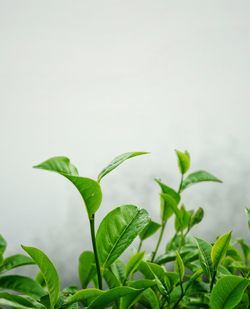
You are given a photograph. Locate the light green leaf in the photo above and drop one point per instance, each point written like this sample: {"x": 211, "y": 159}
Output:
{"x": 112, "y": 295}
{"x": 151, "y": 228}
{"x": 16, "y": 301}
{"x": 129, "y": 300}
{"x": 133, "y": 263}
{"x": 197, "y": 177}
{"x": 118, "y": 269}
{"x": 86, "y": 268}
{"x": 168, "y": 207}
{"x": 118, "y": 230}
{"x": 183, "y": 161}
{"x": 49, "y": 273}
{"x": 179, "y": 266}
{"x": 89, "y": 189}
{"x": 3, "y": 245}
{"x": 21, "y": 284}
{"x": 111, "y": 279}
{"x": 149, "y": 299}
{"x": 170, "y": 191}
{"x": 14, "y": 261}
{"x": 118, "y": 161}
{"x": 219, "y": 248}
{"x": 247, "y": 210}
{"x": 196, "y": 217}
{"x": 193, "y": 278}
{"x": 228, "y": 292}
{"x": 161, "y": 277}
{"x": 185, "y": 219}
{"x": 205, "y": 256}
{"x": 85, "y": 296}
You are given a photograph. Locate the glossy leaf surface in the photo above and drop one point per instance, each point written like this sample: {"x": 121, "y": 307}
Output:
{"x": 118, "y": 230}
{"x": 205, "y": 256}
{"x": 48, "y": 271}
{"x": 86, "y": 268}
{"x": 14, "y": 261}
{"x": 118, "y": 161}
{"x": 219, "y": 248}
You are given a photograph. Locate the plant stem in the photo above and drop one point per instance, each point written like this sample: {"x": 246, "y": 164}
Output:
{"x": 180, "y": 298}
{"x": 159, "y": 241}
{"x": 140, "y": 245}
{"x": 212, "y": 281}
{"x": 179, "y": 190}
{"x": 98, "y": 270}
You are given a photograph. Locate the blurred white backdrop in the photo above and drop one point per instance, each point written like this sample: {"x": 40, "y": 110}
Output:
{"x": 93, "y": 79}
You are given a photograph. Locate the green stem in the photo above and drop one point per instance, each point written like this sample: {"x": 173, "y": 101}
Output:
{"x": 140, "y": 245}
{"x": 212, "y": 281}
{"x": 181, "y": 182}
{"x": 159, "y": 241}
{"x": 98, "y": 270}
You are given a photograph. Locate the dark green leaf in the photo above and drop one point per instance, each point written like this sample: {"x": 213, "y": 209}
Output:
{"x": 112, "y": 295}
{"x": 15, "y": 261}
{"x": 133, "y": 263}
{"x": 149, "y": 230}
{"x": 49, "y": 272}
{"x": 196, "y": 217}
{"x": 149, "y": 299}
{"x": 205, "y": 256}
{"x": 228, "y": 292}
{"x": 117, "y": 161}
{"x": 89, "y": 189}
{"x": 197, "y": 177}
{"x": 16, "y": 301}
{"x": 21, "y": 284}
{"x": 118, "y": 230}
{"x": 86, "y": 268}
{"x": 179, "y": 266}
{"x": 183, "y": 161}
{"x": 219, "y": 248}
{"x": 85, "y": 296}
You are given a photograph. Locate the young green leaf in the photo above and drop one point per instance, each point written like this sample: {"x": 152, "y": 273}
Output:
{"x": 168, "y": 207}
{"x": 118, "y": 161}
{"x": 89, "y": 189}
{"x": 3, "y": 245}
{"x": 86, "y": 268}
{"x": 228, "y": 292}
{"x": 183, "y": 161}
{"x": 179, "y": 266}
{"x": 196, "y": 217}
{"x": 205, "y": 256}
{"x": 247, "y": 210}
{"x": 133, "y": 263}
{"x": 118, "y": 230}
{"x": 170, "y": 191}
{"x": 49, "y": 273}
{"x": 197, "y": 177}
{"x": 149, "y": 299}
{"x": 14, "y": 261}
{"x": 112, "y": 295}
{"x": 111, "y": 279}
{"x": 85, "y": 296}
{"x": 219, "y": 248}
{"x": 185, "y": 215}
{"x": 23, "y": 285}
{"x": 151, "y": 228}
{"x": 118, "y": 269}
{"x": 16, "y": 301}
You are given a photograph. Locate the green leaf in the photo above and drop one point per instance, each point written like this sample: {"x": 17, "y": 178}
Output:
{"x": 129, "y": 300}
{"x": 3, "y": 245}
{"x": 85, "y": 296}
{"x": 219, "y": 248}
{"x": 185, "y": 219}
{"x": 247, "y": 210}
{"x": 16, "y": 301}
{"x": 149, "y": 299}
{"x": 196, "y": 217}
{"x": 193, "y": 278}
{"x": 179, "y": 266}
{"x": 112, "y": 295}
{"x": 111, "y": 279}
{"x": 228, "y": 292}
{"x": 118, "y": 230}
{"x": 161, "y": 278}
{"x": 118, "y": 161}
{"x": 205, "y": 256}
{"x": 197, "y": 177}
{"x": 49, "y": 273}
{"x": 15, "y": 261}
{"x": 183, "y": 161}
{"x": 133, "y": 263}
{"x": 151, "y": 228}
{"x": 118, "y": 269}
{"x": 21, "y": 284}
{"x": 89, "y": 189}
{"x": 168, "y": 207}
{"x": 170, "y": 191}
{"x": 86, "y": 268}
